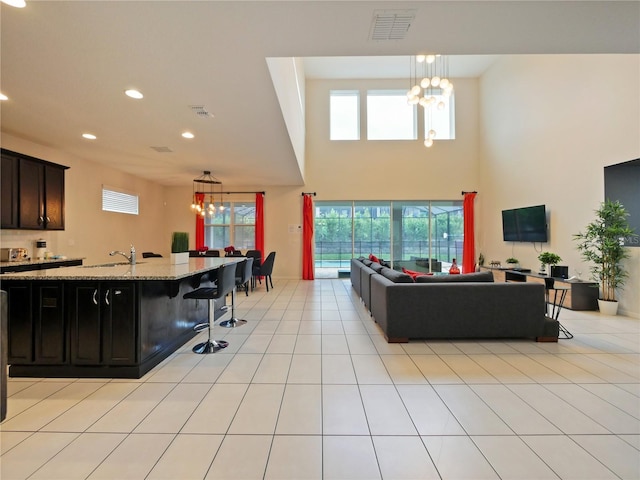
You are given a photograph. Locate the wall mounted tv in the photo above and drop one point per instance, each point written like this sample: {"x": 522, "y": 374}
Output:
{"x": 527, "y": 224}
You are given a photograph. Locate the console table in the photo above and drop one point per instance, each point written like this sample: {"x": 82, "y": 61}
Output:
{"x": 580, "y": 295}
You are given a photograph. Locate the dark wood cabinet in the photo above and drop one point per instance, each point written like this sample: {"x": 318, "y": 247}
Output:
{"x": 37, "y": 332}
{"x": 35, "y": 199}
{"x": 102, "y": 319}
{"x": 9, "y": 179}
{"x": 50, "y": 339}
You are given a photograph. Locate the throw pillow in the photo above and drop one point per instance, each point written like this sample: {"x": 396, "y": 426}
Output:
{"x": 373, "y": 258}
{"x": 412, "y": 273}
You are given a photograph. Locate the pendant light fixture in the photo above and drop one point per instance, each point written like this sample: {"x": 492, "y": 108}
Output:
{"x": 429, "y": 79}
{"x": 204, "y": 193}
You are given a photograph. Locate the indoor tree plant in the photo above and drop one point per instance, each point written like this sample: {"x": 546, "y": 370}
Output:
{"x": 601, "y": 243}
{"x": 548, "y": 258}
{"x": 179, "y": 247}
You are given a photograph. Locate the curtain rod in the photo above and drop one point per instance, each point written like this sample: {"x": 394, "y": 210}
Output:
{"x": 230, "y": 193}
{"x": 308, "y": 193}
{"x": 463, "y": 192}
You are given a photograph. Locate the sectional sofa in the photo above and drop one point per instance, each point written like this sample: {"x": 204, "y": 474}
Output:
{"x": 468, "y": 306}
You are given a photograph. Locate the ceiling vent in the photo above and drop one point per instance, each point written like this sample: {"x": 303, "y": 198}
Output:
{"x": 391, "y": 24}
{"x": 162, "y": 149}
{"x": 201, "y": 111}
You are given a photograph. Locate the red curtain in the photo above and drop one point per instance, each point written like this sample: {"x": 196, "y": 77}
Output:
{"x": 199, "y": 224}
{"x": 468, "y": 248}
{"x": 307, "y": 238}
{"x": 260, "y": 223}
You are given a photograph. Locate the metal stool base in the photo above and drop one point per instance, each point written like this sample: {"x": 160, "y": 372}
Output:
{"x": 210, "y": 346}
{"x": 232, "y": 323}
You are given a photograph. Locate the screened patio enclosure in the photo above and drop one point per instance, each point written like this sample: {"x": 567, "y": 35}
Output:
{"x": 419, "y": 235}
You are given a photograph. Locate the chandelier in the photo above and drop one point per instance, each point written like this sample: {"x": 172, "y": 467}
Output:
{"x": 429, "y": 87}
{"x": 204, "y": 192}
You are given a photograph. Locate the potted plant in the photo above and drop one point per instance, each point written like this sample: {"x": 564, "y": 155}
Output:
{"x": 548, "y": 258}
{"x": 179, "y": 247}
{"x": 601, "y": 244}
{"x": 513, "y": 262}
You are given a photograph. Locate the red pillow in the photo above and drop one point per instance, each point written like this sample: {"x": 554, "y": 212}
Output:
{"x": 373, "y": 258}
{"x": 415, "y": 274}
{"x": 412, "y": 273}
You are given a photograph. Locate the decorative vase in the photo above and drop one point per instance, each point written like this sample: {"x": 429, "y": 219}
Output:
{"x": 607, "y": 307}
{"x": 178, "y": 258}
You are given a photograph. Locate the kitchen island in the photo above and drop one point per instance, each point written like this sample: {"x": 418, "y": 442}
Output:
{"x": 104, "y": 321}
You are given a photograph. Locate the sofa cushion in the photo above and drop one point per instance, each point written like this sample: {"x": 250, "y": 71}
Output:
{"x": 376, "y": 267}
{"x": 396, "y": 276}
{"x": 367, "y": 262}
{"x": 467, "y": 277}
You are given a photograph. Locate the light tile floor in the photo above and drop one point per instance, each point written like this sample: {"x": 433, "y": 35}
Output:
{"x": 308, "y": 388}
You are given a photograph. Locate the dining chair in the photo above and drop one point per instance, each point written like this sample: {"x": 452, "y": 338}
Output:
{"x": 257, "y": 261}
{"x": 266, "y": 269}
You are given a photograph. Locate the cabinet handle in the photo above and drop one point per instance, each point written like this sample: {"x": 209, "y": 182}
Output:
{"x": 106, "y": 297}
{"x": 117, "y": 292}
{"x": 95, "y": 292}
{"x": 40, "y": 220}
{"x": 48, "y": 220}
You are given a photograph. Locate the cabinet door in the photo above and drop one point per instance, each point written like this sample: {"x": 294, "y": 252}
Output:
{"x": 20, "y": 324}
{"x": 9, "y": 191}
{"x": 54, "y": 197}
{"x": 31, "y": 204}
{"x": 85, "y": 324}
{"x": 49, "y": 323}
{"x": 119, "y": 324}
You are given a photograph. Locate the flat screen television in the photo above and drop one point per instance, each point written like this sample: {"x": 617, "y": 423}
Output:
{"x": 527, "y": 224}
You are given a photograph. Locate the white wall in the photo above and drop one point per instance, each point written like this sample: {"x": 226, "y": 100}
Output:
{"x": 549, "y": 124}
{"x": 390, "y": 170}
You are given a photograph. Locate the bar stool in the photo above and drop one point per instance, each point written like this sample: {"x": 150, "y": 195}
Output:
{"x": 245, "y": 269}
{"x": 226, "y": 283}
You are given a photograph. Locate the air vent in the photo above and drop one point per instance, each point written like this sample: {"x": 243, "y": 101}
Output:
{"x": 162, "y": 149}
{"x": 391, "y": 24}
{"x": 201, "y": 111}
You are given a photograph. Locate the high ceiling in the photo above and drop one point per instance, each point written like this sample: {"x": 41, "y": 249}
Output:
{"x": 65, "y": 65}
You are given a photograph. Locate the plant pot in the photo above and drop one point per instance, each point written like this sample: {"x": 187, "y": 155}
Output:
{"x": 608, "y": 308}
{"x": 179, "y": 258}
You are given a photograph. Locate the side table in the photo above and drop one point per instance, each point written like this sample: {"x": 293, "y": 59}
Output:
{"x": 554, "y": 303}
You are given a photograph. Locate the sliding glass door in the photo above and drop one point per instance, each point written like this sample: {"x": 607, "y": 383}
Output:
{"x": 418, "y": 235}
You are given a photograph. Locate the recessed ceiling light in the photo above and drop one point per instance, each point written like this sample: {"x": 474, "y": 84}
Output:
{"x": 3, "y": 97}
{"x": 15, "y": 3}
{"x": 89, "y": 136}
{"x": 133, "y": 94}
{"x": 188, "y": 135}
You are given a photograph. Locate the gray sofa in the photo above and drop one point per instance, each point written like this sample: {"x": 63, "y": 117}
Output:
{"x": 451, "y": 306}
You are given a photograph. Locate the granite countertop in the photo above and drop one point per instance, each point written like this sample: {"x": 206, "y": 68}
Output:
{"x": 147, "y": 269}
{"x": 33, "y": 261}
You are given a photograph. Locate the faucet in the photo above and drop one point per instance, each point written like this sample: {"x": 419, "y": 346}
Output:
{"x": 130, "y": 258}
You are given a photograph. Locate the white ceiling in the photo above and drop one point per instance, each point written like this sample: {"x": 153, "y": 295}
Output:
{"x": 65, "y": 65}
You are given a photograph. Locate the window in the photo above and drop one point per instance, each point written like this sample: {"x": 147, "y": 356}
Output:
{"x": 389, "y": 117}
{"x": 116, "y": 200}
{"x": 234, "y": 224}
{"x": 344, "y": 115}
{"x": 440, "y": 118}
